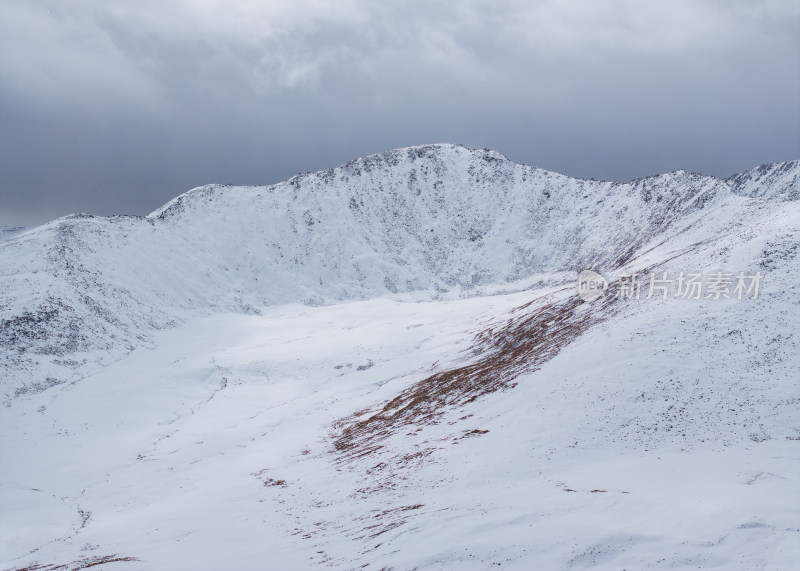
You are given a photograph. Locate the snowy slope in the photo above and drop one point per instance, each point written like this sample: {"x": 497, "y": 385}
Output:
{"x": 434, "y": 220}
{"x": 386, "y": 366}
{"x": 7, "y": 232}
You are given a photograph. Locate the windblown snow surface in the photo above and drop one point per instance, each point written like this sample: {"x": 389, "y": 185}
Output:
{"x": 387, "y": 366}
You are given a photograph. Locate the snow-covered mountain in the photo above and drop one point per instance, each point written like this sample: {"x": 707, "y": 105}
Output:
{"x": 430, "y": 220}
{"x": 7, "y": 232}
{"x": 387, "y": 365}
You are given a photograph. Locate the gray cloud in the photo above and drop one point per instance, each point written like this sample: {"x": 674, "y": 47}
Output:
{"x": 117, "y": 107}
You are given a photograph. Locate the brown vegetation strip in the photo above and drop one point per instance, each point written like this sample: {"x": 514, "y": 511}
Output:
{"x": 83, "y": 563}
{"x": 534, "y": 334}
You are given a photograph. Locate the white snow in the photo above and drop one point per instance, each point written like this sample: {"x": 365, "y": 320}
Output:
{"x": 205, "y": 362}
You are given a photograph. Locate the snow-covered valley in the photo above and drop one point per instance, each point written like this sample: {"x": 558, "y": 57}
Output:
{"x": 387, "y": 366}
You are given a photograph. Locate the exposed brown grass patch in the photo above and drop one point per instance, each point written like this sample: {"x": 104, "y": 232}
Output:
{"x": 533, "y": 334}
{"x": 82, "y": 563}
{"x": 267, "y": 481}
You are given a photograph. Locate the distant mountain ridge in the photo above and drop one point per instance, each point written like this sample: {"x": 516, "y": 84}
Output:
{"x": 776, "y": 179}
{"x": 7, "y": 232}
{"x": 421, "y": 221}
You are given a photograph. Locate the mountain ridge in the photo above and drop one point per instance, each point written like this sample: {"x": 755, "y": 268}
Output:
{"x": 244, "y": 377}
{"x": 421, "y": 222}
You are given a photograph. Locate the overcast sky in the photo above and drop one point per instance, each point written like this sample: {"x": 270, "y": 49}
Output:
{"x": 118, "y": 106}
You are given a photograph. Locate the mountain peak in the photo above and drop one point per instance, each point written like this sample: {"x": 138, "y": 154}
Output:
{"x": 423, "y": 221}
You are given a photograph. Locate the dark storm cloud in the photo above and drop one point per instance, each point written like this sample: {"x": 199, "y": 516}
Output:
{"x": 117, "y": 107}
